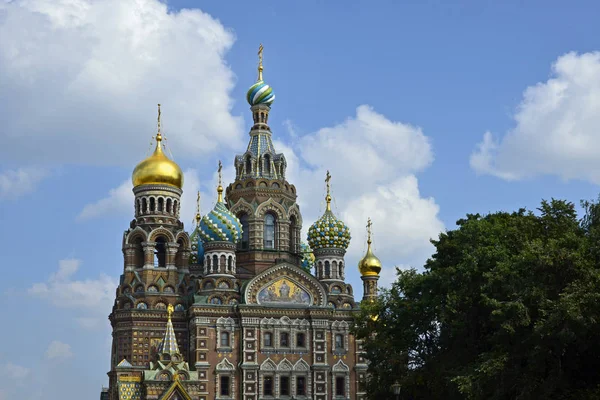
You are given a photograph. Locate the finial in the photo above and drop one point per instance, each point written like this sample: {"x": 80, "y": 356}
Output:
{"x": 328, "y": 197}
{"x": 369, "y": 225}
{"x": 198, "y": 209}
{"x": 158, "y": 134}
{"x": 220, "y": 188}
{"x": 260, "y": 62}
{"x": 170, "y": 310}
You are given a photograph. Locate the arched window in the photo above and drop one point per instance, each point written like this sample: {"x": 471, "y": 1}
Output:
{"x": 160, "y": 252}
{"x": 223, "y": 264}
{"x": 152, "y": 204}
{"x": 175, "y": 209}
{"x": 215, "y": 263}
{"x": 269, "y": 231}
{"x": 169, "y": 206}
{"x": 267, "y": 168}
{"x": 138, "y": 255}
{"x": 230, "y": 264}
{"x": 248, "y": 165}
{"x": 144, "y": 205}
{"x": 293, "y": 235}
{"x": 161, "y": 204}
{"x": 137, "y": 207}
{"x": 327, "y": 269}
{"x": 244, "y": 243}
{"x": 179, "y": 254}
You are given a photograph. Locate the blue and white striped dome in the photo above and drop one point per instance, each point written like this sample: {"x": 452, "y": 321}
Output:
{"x": 260, "y": 93}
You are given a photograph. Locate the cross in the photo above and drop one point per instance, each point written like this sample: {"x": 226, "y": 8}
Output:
{"x": 219, "y": 170}
{"x": 198, "y": 208}
{"x": 327, "y": 179}
{"x": 159, "y": 119}
{"x": 170, "y": 310}
{"x": 369, "y": 225}
{"x": 260, "y": 62}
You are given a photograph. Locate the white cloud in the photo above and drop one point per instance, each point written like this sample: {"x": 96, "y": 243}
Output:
{"x": 61, "y": 290}
{"x": 15, "y": 371}
{"x": 81, "y": 80}
{"x": 556, "y": 127}
{"x": 373, "y": 162}
{"x": 58, "y": 349}
{"x": 18, "y": 182}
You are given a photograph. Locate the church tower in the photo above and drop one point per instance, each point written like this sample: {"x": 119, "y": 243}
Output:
{"x": 329, "y": 238}
{"x": 369, "y": 267}
{"x": 156, "y": 251}
{"x": 261, "y": 197}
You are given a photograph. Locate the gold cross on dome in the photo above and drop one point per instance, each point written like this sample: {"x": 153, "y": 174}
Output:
{"x": 369, "y": 225}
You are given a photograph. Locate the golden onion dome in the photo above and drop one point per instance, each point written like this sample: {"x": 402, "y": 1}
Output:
{"x": 157, "y": 169}
{"x": 370, "y": 264}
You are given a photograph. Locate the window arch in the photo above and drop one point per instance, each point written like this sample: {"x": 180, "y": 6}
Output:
{"x": 215, "y": 263}
{"x": 327, "y": 269}
{"x": 170, "y": 206}
{"x": 152, "y": 204}
{"x": 138, "y": 254}
{"x": 160, "y": 252}
{"x": 230, "y": 264}
{"x": 175, "y": 209}
{"x": 269, "y": 231}
{"x": 144, "y": 205}
{"x": 161, "y": 204}
{"x": 267, "y": 167}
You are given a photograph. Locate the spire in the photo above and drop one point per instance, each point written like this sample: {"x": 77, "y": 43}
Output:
{"x": 158, "y": 137}
{"x": 220, "y": 188}
{"x": 169, "y": 342}
{"x": 198, "y": 209}
{"x": 328, "y": 197}
{"x": 369, "y": 225}
{"x": 260, "y": 62}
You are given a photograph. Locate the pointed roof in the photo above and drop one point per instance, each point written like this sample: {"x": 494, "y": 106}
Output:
{"x": 176, "y": 391}
{"x": 169, "y": 342}
{"x": 124, "y": 364}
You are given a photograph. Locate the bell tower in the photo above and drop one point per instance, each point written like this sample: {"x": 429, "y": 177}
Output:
{"x": 261, "y": 197}
{"x": 156, "y": 252}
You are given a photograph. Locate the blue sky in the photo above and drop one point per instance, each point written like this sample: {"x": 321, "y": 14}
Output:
{"x": 395, "y": 98}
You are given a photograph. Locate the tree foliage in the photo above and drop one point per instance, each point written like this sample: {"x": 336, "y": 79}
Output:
{"x": 508, "y": 307}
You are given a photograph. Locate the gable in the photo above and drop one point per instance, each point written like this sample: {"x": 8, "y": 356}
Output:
{"x": 176, "y": 392}
{"x": 285, "y": 285}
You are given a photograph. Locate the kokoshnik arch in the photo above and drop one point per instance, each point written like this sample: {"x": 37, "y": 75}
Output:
{"x": 233, "y": 309}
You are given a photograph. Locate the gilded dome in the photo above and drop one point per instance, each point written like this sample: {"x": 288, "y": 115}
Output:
{"x": 370, "y": 264}
{"x": 157, "y": 169}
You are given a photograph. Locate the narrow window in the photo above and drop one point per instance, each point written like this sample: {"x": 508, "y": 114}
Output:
{"x": 284, "y": 385}
{"x": 339, "y": 342}
{"x": 268, "y": 339}
{"x": 340, "y": 386}
{"x": 160, "y": 253}
{"x": 175, "y": 210}
{"x": 245, "y": 232}
{"x": 300, "y": 386}
{"x": 248, "y": 165}
{"x": 269, "y": 238}
{"x": 161, "y": 204}
{"x": 284, "y": 340}
{"x": 268, "y": 386}
{"x": 169, "y": 206}
{"x": 224, "y": 339}
{"x": 327, "y": 269}
{"x": 300, "y": 340}
{"x": 224, "y": 385}
{"x": 230, "y": 264}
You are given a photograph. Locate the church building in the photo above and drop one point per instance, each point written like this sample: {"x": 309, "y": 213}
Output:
{"x": 238, "y": 307}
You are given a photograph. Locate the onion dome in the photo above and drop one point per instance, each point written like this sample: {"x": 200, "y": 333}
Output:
{"x": 220, "y": 225}
{"x": 158, "y": 169}
{"x": 370, "y": 264}
{"x": 260, "y": 92}
{"x": 328, "y": 231}
{"x": 307, "y": 259}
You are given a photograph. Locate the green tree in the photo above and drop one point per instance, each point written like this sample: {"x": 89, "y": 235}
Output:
{"x": 508, "y": 307}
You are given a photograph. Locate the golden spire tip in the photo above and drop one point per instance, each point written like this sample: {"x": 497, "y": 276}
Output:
{"x": 220, "y": 188}
{"x": 170, "y": 310}
{"x": 260, "y": 62}
{"x": 328, "y": 197}
{"x": 158, "y": 134}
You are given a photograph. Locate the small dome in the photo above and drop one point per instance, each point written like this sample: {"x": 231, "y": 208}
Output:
{"x": 328, "y": 232}
{"x": 260, "y": 93}
{"x": 220, "y": 225}
{"x": 370, "y": 264}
